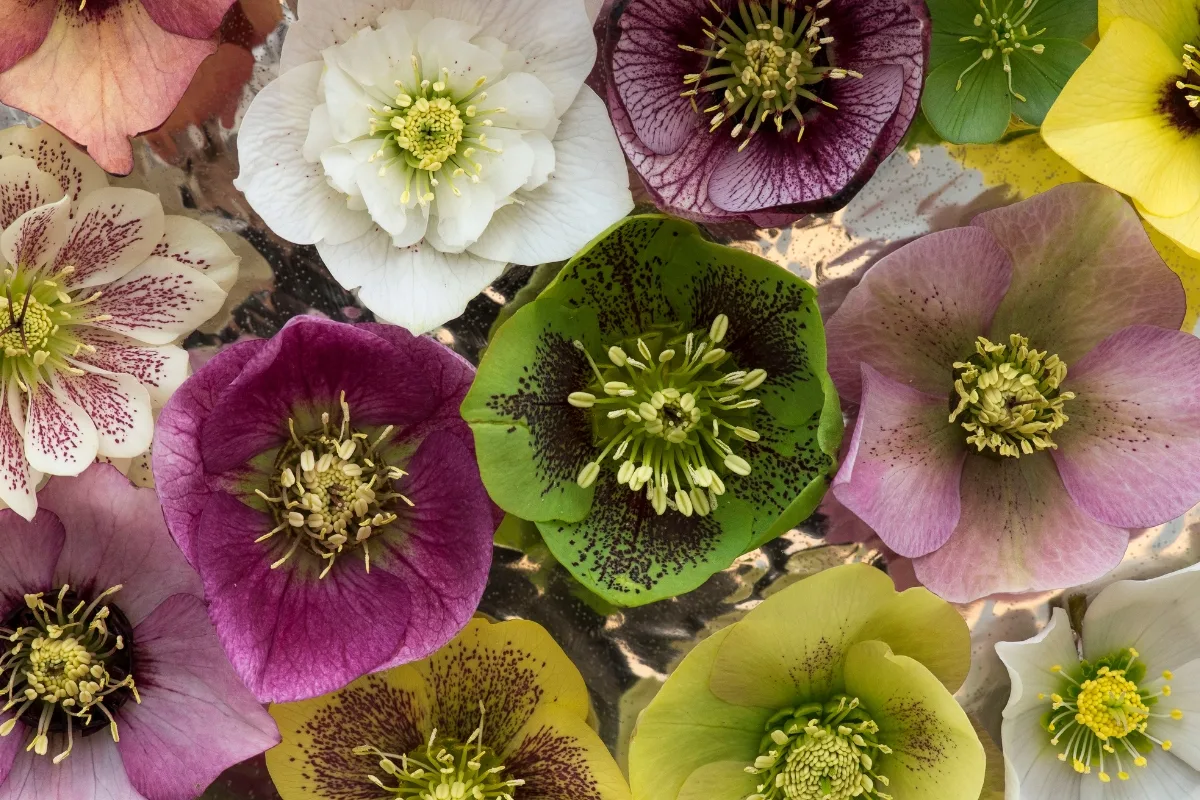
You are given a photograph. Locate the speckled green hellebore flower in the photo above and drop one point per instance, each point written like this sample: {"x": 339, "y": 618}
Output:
{"x": 835, "y": 688}
{"x": 660, "y": 409}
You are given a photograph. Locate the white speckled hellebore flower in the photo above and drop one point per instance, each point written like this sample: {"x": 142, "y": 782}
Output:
{"x": 421, "y": 145}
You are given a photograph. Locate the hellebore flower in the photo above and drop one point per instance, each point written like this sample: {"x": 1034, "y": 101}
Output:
{"x": 1114, "y": 713}
{"x": 98, "y": 285}
{"x": 498, "y": 713}
{"x": 835, "y": 688}
{"x": 423, "y": 148}
{"x": 114, "y": 682}
{"x": 1020, "y": 404}
{"x": 990, "y": 59}
{"x": 104, "y": 70}
{"x": 660, "y": 409}
{"x": 762, "y": 110}
{"x": 1130, "y": 117}
{"x": 325, "y": 488}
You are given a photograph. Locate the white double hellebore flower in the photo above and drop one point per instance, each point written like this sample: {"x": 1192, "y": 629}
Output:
{"x": 422, "y": 145}
{"x": 1116, "y": 715}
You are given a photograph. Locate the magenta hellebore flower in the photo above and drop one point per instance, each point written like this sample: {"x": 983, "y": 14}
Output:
{"x": 1025, "y": 395}
{"x": 115, "y": 684}
{"x": 325, "y": 487}
{"x": 762, "y": 110}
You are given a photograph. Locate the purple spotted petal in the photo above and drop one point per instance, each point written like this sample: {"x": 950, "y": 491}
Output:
{"x": 1130, "y": 453}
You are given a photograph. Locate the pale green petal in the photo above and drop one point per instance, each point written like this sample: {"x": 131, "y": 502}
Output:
{"x": 922, "y": 626}
{"x": 723, "y": 780}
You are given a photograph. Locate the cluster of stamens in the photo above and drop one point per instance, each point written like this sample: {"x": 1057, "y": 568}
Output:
{"x": 1003, "y": 33}
{"x": 1190, "y": 64}
{"x": 667, "y": 415}
{"x": 332, "y": 491}
{"x": 67, "y": 668}
{"x": 820, "y": 751}
{"x": 1009, "y": 398}
{"x": 443, "y": 769}
{"x": 1102, "y": 714}
{"x": 434, "y": 134}
{"x": 759, "y": 65}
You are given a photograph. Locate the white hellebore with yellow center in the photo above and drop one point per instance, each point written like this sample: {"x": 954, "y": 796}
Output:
{"x": 422, "y": 145}
{"x": 1115, "y": 714}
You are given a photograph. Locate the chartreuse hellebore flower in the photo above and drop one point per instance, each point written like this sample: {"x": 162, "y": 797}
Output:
{"x": 990, "y": 59}
{"x": 1025, "y": 395}
{"x": 499, "y": 713}
{"x": 1130, "y": 117}
{"x": 660, "y": 409}
{"x": 1113, "y": 712}
{"x": 835, "y": 688}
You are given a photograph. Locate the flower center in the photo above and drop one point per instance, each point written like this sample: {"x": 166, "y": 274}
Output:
{"x": 666, "y": 417}
{"x": 1008, "y": 397}
{"x": 444, "y": 769}
{"x": 1103, "y": 714}
{"x": 70, "y": 667}
{"x": 1002, "y": 31}
{"x": 820, "y": 751}
{"x": 759, "y": 64}
{"x": 431, "y": 131}
{"x": 332, "y": 491}
{"x": 1191, "y": 65}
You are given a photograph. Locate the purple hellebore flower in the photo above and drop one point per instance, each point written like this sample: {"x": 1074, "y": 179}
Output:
{"x": 146, "y": 704}
{"x": 325, "y": 487}
{"x": 1019, "y": 462}
{"x": 762, "y": 110}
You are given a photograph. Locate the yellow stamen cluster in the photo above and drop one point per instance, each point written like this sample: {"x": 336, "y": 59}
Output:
{"x": 1005, "y": 34}
{"x": 1190, "y": 64}
{"x": 1009, "y": 397}
{"x": 759, "y": 64}
{"x": 332, "y": 490}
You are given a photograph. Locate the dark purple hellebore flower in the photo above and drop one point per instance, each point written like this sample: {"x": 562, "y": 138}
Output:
{"x": 325, "y": 487}
{"x": 762, "y": 110}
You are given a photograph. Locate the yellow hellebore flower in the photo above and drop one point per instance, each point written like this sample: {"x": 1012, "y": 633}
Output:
{"x": 1130, "y": 115}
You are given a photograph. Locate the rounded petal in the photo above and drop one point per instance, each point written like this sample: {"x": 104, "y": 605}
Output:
{"x": 160, "y": 369}
{"x": 158, "y": 302}
{"x": 719, "y": 779}
{"x": 462, "y": 216}
{"x": 1083, "y": 268}
{"x": 195, "y": 718}
{"x": 196, "y": 19}
{"x": 31, "y": 549}
{"x": 1031, "y": 765}
{"x": 28, "y": 23}
{"x": 92, "y": 772}
{"x": 528, "y": 103}
{"x": 60, "y": 437}
{"x": 1183, "y": 733}
{"x": 24, "y": 187}
{"x": 1130, "y": 454}
{"x": 1029, "y": 662}
{"x": 560, "y": 757}
{"x": 198, "y": 246}
{"x": 119, "y": 407}
{"x": 919, "y": 310}
{"x": 1157, "y": 617}
{"x": 1165, "y": 776}
{"x": 1175, "y": 21}
{"x": 36, "y": 236}
{"x": 77, "y": 175}
{"x": 320, "y": 25}
{"x": 902, "y": 469}
{"x": 1184, "y": 229}
{"x": 115, "y": 230}
{"x": 1019, "y": 532}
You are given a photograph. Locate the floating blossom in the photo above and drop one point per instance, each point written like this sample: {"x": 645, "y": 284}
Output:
{"x": 499, "y": 713}
{"x": 1112, "y": 712}
{"x": 1049, "y": 330}
{"x": 97, "y": 286}
{"x": 423, "y": 148}
{"x": 762, "y": 110}
{"x": 1130, "y": 117}
{"x": 660, "y": 409}
{"x": 325, "y": 488}
{"x": 114, "y": 681}
{"x": 835, "y": 688}
{"x": 104, "y": 70}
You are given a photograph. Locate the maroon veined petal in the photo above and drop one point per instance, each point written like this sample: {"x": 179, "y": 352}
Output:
{"x": 24, "y": 187}
{"x": 115, "y": 230}
{"x": 18, "y": 484}
{"x": 26, "y": 24}
{"x": 196, "y": 19}
{"x": 93, "y": 771}
{"x": 35, "y": 237}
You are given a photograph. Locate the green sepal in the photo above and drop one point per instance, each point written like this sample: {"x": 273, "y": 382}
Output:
{"x": 977, "y": 113}
{"x": 1039, "y": 77}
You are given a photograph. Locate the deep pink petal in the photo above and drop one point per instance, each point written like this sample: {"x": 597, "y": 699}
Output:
{"x": 31, "y": 550}
{"x": 195, "y": 719}
{"x": 1019, "y": 532}
{"x": 115, "y": 534}
{"x": 93, "y": 771}
{"x": 26, "y": 23}
{"x": 1083, "y": 269}
{"x": 917, "y": 311}
{"x": 1130, "y": 453}
{"x": 178, "y": 472}
{"x": 902, "y": 470}
{"x": 196, "y": 19}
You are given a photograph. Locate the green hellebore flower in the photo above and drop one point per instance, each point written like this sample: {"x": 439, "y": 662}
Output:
{"x": 835, "y": 688}
{"x": 660, "y": 409}
{"x": 990, "y": 59}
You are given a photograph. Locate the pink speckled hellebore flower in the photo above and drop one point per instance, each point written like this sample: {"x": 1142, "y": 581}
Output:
{"x": 1025, "y": 396}
{"x": 104, "y": 70}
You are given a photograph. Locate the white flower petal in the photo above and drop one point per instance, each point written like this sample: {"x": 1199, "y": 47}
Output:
{"x": 417, "y": 287}
{"x": 383, "y": 194}
{"x": 161, "y": 370}
{"x": 1184, "y": 734}
{"x": 349, "y": 105}
{"x": 158, "y": 302}
{"x": 1158, "y": 617}
{"x": 465, "y": 61}
{"x": 367, "y": 59}
{"x": 320, "y": 134}
{"x": 17, "y": 484}
{"x": 543, "y": 161}
{"x": 460, "y": 217}
{"x": 440, "y": 38}
{"x": 290, "y": 193}
{"x": 588, "y": 192}
{"x": 528, "y": 104}
{"x": 119, "y": 407}
{"x": 1032, "y": 770}
{"x": 198, "y": 246}
{"x": 77, "y": 175}
{"x": 1029, "y": 664}
{"x": 24, "y": 187}
{"x": 114, "y": 231}
{"x": 321, "y": 24}
{"x": 512, "y": 168}
{"x": 1163, "y": 778}
{"x": 60, "y": 438}
{"x": 36, "y": 236}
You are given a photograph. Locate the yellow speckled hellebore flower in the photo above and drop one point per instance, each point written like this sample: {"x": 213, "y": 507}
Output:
{"x": 1130, "y": 116}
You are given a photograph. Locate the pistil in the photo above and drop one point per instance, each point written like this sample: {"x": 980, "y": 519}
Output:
{"x": 1003, "y": 32}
